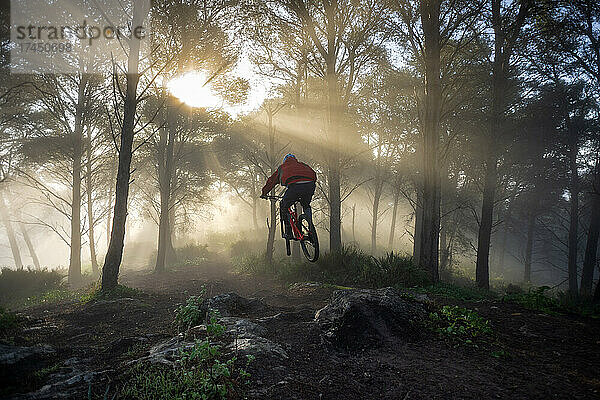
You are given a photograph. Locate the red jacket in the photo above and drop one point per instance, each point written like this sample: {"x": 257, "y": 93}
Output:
{"x": 291, "y": 171}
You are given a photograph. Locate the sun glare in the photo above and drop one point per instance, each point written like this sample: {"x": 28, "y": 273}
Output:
{"x": 191, "y": 88}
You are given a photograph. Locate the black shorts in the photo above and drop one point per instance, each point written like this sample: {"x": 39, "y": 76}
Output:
{"x": 302, "y": 192}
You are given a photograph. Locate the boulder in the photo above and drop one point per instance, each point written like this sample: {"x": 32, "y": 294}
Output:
{"x": 365, "y": 317}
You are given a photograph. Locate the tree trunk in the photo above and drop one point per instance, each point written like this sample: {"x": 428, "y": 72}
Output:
{"x": 109, "y": 213}
{"x": 27, "y": 239}
{"x": 394, "y": 215}
{"x": 591, "y": 247}
{"x": 12, "y": 238}
{"x": 75, "y": 255}
{"x": 333, "y": 110}
{"x": 254, "y": 205}
{"x": 418, "y": 228}
{"x": 335, "y": 205}
{"x": 430, "y": 19}
{"x": 90, "y": 204}
{"x": 529, "y": 247}
{"x": 574, "y": 214}
{"x": 353, "y": 220}
{"x": 273, "y": 225}
{"x": 112, "y": 262}
{"x": 165, "y": 174}
{"x": 482, "y": 267}
{"x": 502, "y": 251}
{"x": 376, "y": 200}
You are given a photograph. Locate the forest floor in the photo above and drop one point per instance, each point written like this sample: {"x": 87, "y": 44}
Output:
{"x": 531, "y": 355}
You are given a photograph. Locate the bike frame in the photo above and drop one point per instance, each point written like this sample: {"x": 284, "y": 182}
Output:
{"x": 293, "y": 213}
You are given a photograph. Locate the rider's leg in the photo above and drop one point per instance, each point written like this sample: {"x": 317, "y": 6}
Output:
{"x": 306, "y": 192}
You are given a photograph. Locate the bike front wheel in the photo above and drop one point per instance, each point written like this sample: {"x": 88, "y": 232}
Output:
{"x": 310, "y": 243}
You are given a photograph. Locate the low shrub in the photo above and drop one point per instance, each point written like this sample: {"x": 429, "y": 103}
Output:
{"x": 189, "y": 314}
{"x": 241, "y": 248}
{"x": 18, "y": 285}
{"x": 192, "y": 254}
{"x": 459, "y": 323}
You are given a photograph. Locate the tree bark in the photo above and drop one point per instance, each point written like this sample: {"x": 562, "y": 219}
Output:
{"x": 90, "y": 204}
{"x": 529, "y": 247}
{"x": 75, "y": 245}
{"x": 27, "y": 239}
{"x": 112, "y": 262}
{"x": 394, "y": 215}
{"x": 591, "y": 247}
{"x": 430, "y": 19}
{"x": 12, "y": 238}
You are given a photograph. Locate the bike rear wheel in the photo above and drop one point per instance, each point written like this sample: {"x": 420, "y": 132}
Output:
{"x": 310, "y": 245}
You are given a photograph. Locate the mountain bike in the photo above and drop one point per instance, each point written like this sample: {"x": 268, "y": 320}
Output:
{"x": 303, "y": 231}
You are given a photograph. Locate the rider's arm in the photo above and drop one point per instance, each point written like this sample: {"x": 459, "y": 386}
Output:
{"x": 271, "y": 182}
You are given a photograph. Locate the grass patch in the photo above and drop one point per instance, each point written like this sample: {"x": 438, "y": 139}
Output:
{"x": 463, "y": 293}
{"x": 348, "y": 267}
{"x": 8, "y": 320}
{"x": 53, "y": 296}
{"x": 95, "y": 293}
{"x": 541, "y": 300}
{"x": 459, "y": 324}
{"x": 202, "y": 372}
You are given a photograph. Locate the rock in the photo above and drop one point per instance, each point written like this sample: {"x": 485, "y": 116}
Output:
{"x": 13, "y": 356}
{"x": 18, "y": 361}
{"x": 359, "y": 318}
{"x": 242, "y": 328}
{"x": 166, "y": 352}
{"x": 230, "y": 304}
{"x": 258, "y": 347}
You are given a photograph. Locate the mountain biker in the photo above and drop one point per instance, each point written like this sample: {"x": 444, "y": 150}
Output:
{"x": 300, "y": 180}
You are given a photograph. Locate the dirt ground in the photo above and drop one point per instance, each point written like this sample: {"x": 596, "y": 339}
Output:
{"x": 543, "y": 356}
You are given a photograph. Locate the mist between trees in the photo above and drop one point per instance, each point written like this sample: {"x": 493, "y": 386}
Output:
{"x": 463, "y": 133}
